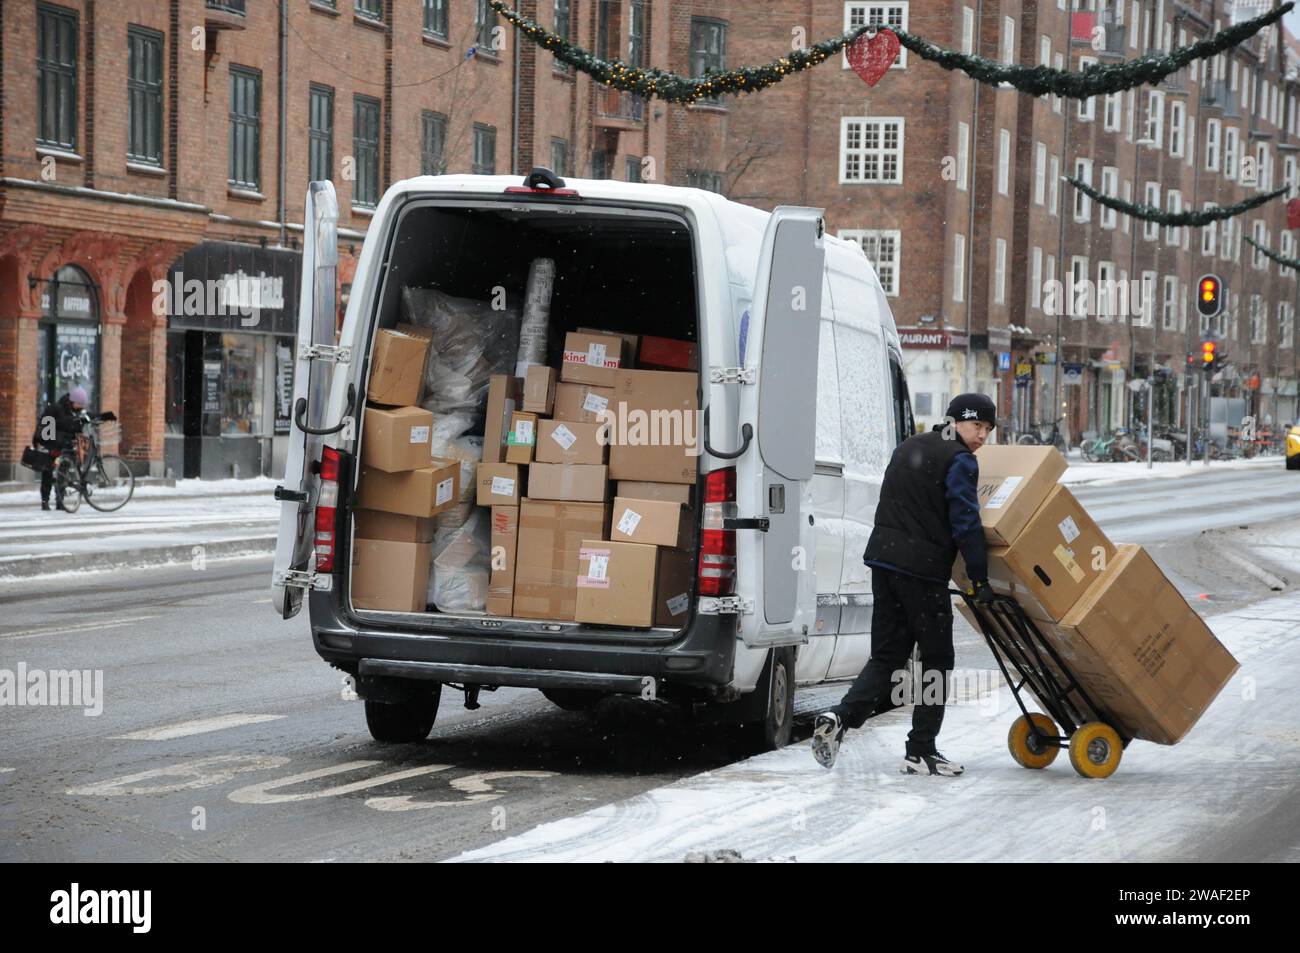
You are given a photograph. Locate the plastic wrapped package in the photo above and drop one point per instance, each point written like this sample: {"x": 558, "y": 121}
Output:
{"x": 468, "y": 449}
{"x": 458, "y": 577}
{"x": 471, "y": 341}
{"x": 537, "y": 315}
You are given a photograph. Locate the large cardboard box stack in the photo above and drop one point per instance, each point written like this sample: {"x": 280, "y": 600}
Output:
{"x": 546, "y": 474}
{"x": 1144, "y": 656}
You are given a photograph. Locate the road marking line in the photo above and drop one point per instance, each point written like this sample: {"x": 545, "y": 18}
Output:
{"x": 72, "y": 627}
{"x": 10, "y": 559}
{"x": 198, "y": 726}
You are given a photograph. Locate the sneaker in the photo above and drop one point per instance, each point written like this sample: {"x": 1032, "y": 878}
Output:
{"x": 930, "y": 764}
{"x": 828, "y": 732}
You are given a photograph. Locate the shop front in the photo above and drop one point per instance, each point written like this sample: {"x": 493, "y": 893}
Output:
{"x": 67, "y": 341}
{"x": 232, "y": 313}
{"x": 934, "y": 361}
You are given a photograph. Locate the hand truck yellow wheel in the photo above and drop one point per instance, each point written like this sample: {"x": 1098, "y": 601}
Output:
{"x": 1095, "y": 750}
{"x": 1028, "y": 746}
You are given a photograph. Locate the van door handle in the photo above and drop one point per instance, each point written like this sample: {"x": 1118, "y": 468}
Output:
{"x": 301, "y": 410}
{"x": 746, "y": 434}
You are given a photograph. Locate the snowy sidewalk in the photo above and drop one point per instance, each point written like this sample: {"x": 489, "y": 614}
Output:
{"x": 1081, "y": 471}
{"x": 1204, "y": 798}
{"x": 195, "y": 519}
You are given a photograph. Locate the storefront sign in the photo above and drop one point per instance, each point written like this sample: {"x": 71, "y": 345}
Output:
{"x": 927, "y": 339}
{"x": 227, "y": 286}
{"x": 999, "y": 338}
{"x": 1004, "y": 360}
{"x": 283, "y": 386}
{"x": 1072, "y": 374}
{"x": 1024, "y": 369}
{"x": 212, "y": 387}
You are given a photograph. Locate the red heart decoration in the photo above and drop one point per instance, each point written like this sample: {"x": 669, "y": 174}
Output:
{"x": 872, "y": 57}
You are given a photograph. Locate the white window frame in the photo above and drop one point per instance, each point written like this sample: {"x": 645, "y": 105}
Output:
{"x": 1114, "y": 112}
{"x": 1109, "y": 187}
{"x": 1173, "y": 205}
{"x": 1231, "y": 145}
{"x": 1169, "y": 304}
{"x": 1000, "y": 271}
{"x": 869, "y": 239}
{"x": 1155, "y": 118}
{"x": 882, "y": 121}
{"x": 884, "y": 9}
{"x": 1131, "y": 115}
{"x": 1147, "y": 315}
{"x": 1107, "y": 305}
{"x": 1036, "y": 277}
{"x": 1087, "y": 110}
{"x": 1259, "y": 232}
{"x": 1177, "y": 128}
{"x": 1004, "y": 161}
{"x": 958, "y": 267}
{"x": 968, "y": 30}
{"x": 1078, "y": 273}
{"x": 1212, "y": 141}
{"x": 1040, "y": 173}
{"x": 1007, "y": 46}
{"x": 1082, "y": 203}
{"x": 1285, "y": 325}
{"x": 1053, "y": 183}
{"x": 963, "y": 154}
{"x": 1128, "y": 197}
{"x": 1151, "y": 196}
{"x": 1209, "y": 236}
{"x": 1287, "y": 245}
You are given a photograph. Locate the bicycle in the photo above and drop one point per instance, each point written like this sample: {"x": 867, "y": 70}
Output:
{"x": 1034, "y": 436}
{"x": 83, "y": 472}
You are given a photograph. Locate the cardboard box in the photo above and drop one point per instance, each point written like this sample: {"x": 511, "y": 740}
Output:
{"x": 655, "y": 434}
{"x": 567, "y": 441}
{"x": 539, "y": 390}
{"x": 1058, "y": 555}
{"x": 505, "y": 538}
{"x": 656, "y": 522}
{"x": 668, "y": 354}
{"x": 396, "y": 368}
{"x": 546, "y": 563}
{"x": 395, "y": 527}
{"x": 504, "y": 396}
{"x": 641, "y": 490}
{"x": 423, "y": 492}
{"x": 396, "y": 439}
{"x": 499, "y": 484}
{"x": 521, "y": 437}
{"x": 630, "y": 343}
{"x": 591, "y": 358}
{"x": 616, "y": 583}
{"x": 581, "y": 402}
{"x": 578, "y": 482}
{"x": 390, "y": 575}
{"x": 675, "y": 580}
{"x": 1013, "y": 483}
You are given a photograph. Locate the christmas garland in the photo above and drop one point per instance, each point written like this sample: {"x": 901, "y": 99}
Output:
{"x": 1093, "y": 80}
{"x": 1149, "y": 213}
{"x": 1281, "y": 260}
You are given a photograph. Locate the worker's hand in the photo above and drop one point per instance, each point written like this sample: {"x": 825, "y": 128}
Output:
{"x": 983, "y": 594}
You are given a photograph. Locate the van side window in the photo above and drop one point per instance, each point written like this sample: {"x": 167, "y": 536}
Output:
{"x": 904, "y": 423}
{"x": 865, "y": 402}
{"x": 828, "y": 399}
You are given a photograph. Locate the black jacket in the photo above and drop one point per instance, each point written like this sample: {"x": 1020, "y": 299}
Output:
{"x": 912, "y": 531}
{"x": 67, "y": 424}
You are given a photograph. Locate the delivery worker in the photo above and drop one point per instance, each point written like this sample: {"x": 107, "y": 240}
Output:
{"x": 928, "y": 511}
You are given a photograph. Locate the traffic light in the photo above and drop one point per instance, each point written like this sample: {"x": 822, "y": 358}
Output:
{"x": 1209, "y": 296}
{"x": 1208, "y": 349}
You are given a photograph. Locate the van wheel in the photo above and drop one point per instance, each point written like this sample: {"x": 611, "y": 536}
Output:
{"x": 403, "y": 722}
{"x": 573, "y": 699}
{"x": 773, "y": 730}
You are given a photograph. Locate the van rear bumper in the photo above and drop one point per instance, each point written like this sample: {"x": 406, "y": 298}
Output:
{"x": 702, "y": 657}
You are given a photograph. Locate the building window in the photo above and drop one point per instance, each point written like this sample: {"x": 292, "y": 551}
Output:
{"x": 433, "y": 143}
{"x": 1036, "y": 277}
{"x": 365, "y": 150}
{"x": 485, "y": 150}
{"x": 1155, "y": 119}
{"x": 1053, "y": 183}
{"x": 245, "y": 127}
{"x": 1040, "y": 173}
{"x": 892, "y": 15}
{"x": 1087, "y": 107}
{"x": 1287, "y": 245}
{"x": 871, "y": 150}
{"x": 1288, "y": 176}
{"x": 56, "y": 77}
{"x": 1151, "y": 230}
{"x": 563, "y": 29}
{"x": 1109, "y": 186}
{"x": 370, "y": 9}
{"x": 967, "y": 30}
{"x": 1078, "y": 301}
{"x": 708, "y": 50}
{"x": 1004, "y": 161}
{"x": 1058, "y": 63}
{"x": 1284, "y": 325}
{"x": 1044, "y": 50}
{"x": 485, "y": 20}
{"x": 1174, "y": 205}
{"x": 958, "y": 267}
{"x": 634, "y": 168}
{"x": 1114, "y": 109}
{"x": 1128, "y": 197}
{"x": 1169, "y": 309}
{"x": 1082, "y": 203}
{"x": 1212, "y": 145}
{"x": 1107, "y": 292}
{"x": 1131, "y": 113}
{"x": 636, "y": 33}
{"x": 1000, "y": 271}
{"x": 1009, "y": 40}
{"x": 882, "y": 249}
{"x": 1230, "y": 145}
{"x": 704, "y": 179}
{"x": 1258, "y": 326}
{"x": 1229, "y": 239}
{"x": 1177, "y": 121}
{"x": 1210, "y": 235}
{"x": 144, "y": 95}
{"x": 1148, "y": 311}
{"x": 320, "y": 132}
{"x": 435, "y": 18}
{"x": 1257, "y": 258}
{"x": 560, "y": 157}
{"x": 963, "y": 154}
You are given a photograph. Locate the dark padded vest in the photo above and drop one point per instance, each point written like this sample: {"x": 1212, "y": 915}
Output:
{"x": 912, "y": 531}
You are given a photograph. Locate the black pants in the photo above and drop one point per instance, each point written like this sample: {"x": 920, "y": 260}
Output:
{"x": 47, "y": 483}
{"x": 907, "y": 611}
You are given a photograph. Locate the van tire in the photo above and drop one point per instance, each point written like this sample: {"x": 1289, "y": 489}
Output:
{"x": 773, "y": 729}
{"x": 403, "y": 722}
{"x": 573, "y": 699}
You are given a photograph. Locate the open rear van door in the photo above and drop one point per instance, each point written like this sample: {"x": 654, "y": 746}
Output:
{"x": 776, "y": 540}
{"x": 293, "y": 572}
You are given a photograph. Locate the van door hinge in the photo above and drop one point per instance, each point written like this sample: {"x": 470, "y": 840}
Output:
{"x": 731, "y": 375}
{"x": 297, "y": 579}
{"x": 327, "y": 353}
{"x": 726, "y": 605}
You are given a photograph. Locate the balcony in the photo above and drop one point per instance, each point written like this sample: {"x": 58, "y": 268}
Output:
{"x": 618, "y": 109}
{"x": 224, "y": 14}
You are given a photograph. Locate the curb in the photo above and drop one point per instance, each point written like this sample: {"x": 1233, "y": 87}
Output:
{"x": 134, "y": 558}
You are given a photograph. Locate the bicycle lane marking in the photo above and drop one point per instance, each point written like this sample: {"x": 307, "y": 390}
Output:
{"x": 71, "y": 628}
{"x": 197, "y": 726}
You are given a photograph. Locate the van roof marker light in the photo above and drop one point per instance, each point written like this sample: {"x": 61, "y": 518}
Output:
{"x": 542, "y": 181}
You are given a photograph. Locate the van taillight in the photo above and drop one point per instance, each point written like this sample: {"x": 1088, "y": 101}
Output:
{"x": 326, "y": 507}
{"x": 717, "y": 576}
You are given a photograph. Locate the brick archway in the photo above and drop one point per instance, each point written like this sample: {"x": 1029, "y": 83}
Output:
{"x": 144, "y": 359}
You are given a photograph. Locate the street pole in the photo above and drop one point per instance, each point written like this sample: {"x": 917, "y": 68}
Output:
{"x": 1190, "y": 391}
{"x": 1151, "y": 399}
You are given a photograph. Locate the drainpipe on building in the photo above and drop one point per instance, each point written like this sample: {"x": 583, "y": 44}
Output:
{"x": 284, "y": 92}
{"x": 514, "y": 122}
{"x": 967, "y": 268}
{"x": 1061, "y": 268}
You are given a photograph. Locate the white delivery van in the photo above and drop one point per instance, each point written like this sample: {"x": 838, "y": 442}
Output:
{"x": 803, "y": 395}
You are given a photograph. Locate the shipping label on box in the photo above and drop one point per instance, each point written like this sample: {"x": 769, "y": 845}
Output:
{"x": 583, "y": 403}
{"x": 425, "y": 492}
{"x": 498, "y": 484}
{"x": 539, "y": 390}
{"x": 395, "y": 439}
{"x": 546, "y": 563}
{"x": 504, "y": 541}
{"x": 673, "y": 585}
{"x": 630, "y": 343}
{"x": 654, "y": 427}
{"x": 504, "y": 394}
{"x": 1013, "y": 483}
{"x": 521, "y": 438}
{"x": 591, "y": 358}
{"x": 658, "y": 522}
{"x": 568, "y": 441}
{"x": 568, "y": 481}
{"x": 396, "y": 368}
{"x": 616, "y": 583}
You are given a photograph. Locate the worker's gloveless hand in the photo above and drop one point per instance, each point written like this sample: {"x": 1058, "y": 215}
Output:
{"x": 983, "y": 594}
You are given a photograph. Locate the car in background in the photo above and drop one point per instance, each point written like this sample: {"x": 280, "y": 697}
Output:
{"x": 1293, "y": 447}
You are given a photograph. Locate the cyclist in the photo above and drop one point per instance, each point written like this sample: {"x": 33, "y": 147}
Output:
{"x": 56, "y": 430}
